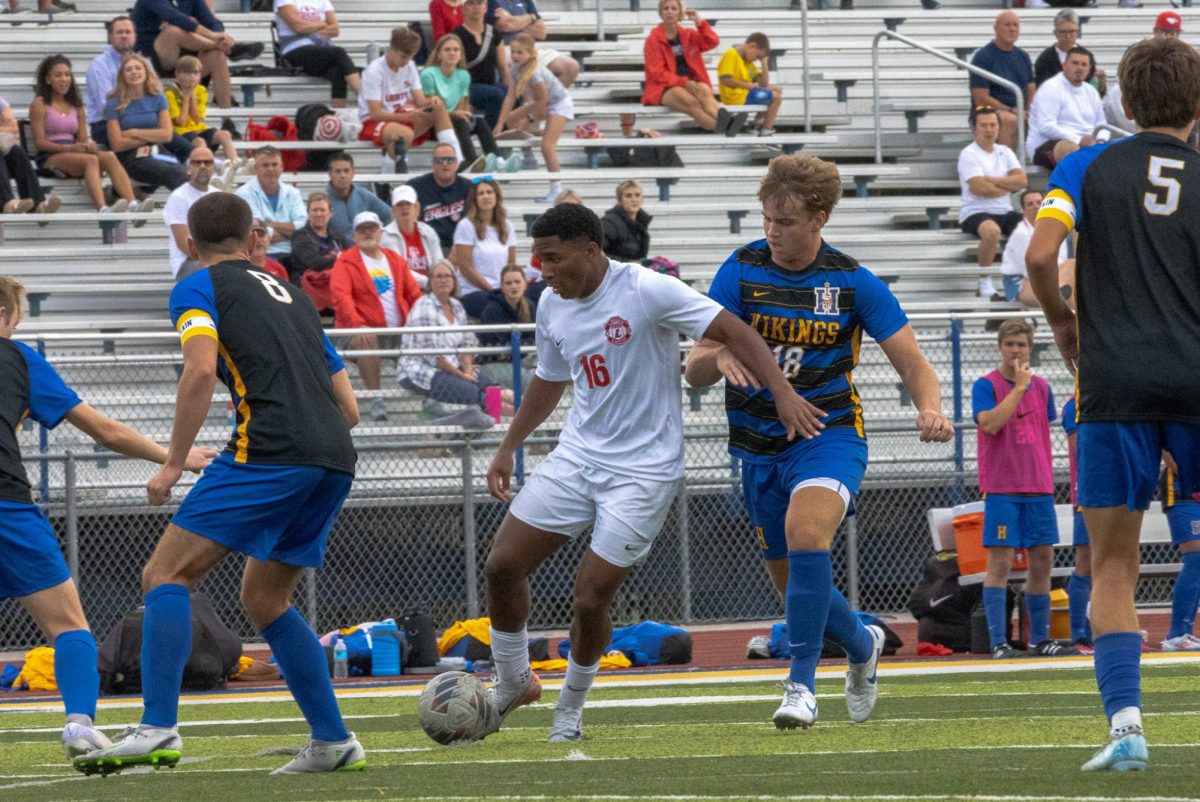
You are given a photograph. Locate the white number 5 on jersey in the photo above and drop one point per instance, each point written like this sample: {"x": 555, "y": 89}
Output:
{"x": 1156, "y": 202}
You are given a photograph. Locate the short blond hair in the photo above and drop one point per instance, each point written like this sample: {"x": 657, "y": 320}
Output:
{"x": 12, "y": 297}
{"x": 629, "y": 183}
{"x": 1014, "y": 326}
{"x": 188, "y": 64}
{"x": 812, "y": 183}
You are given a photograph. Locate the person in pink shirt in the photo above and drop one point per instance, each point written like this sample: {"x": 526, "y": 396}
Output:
{"x": 1013, "y": 410}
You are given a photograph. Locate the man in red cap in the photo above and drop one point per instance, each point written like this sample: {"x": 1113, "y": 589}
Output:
{"x": 1168, "y": 25}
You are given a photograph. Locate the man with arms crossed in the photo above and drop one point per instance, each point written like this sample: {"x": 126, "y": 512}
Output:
{"x": 611, "y": 331}
{"x": 1133, "y": 344}
{"x": 811, "y": 303}
{"x": 273, "y": 495}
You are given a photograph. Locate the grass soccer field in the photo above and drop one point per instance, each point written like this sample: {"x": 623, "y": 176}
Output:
{"x": 965, "y": 731}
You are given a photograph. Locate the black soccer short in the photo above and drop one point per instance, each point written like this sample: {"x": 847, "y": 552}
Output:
{"x": 1007, "y": 222}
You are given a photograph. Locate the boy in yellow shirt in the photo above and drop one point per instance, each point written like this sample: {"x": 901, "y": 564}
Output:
{"x": 187, "y": 102}
{"x": 742, "y": 75}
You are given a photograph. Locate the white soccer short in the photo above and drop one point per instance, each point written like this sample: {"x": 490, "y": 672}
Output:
{"x": 565, "y": 496}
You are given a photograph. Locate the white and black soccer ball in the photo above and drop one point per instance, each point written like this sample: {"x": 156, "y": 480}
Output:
{"x": 454, "y": 708}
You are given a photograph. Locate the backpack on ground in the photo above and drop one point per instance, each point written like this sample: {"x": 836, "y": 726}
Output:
{"x": 214, "y": 656}
{"x": 943, "y": 607}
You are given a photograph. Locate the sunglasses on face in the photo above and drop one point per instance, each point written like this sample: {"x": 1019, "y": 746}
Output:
{"x": 444, "y": 160}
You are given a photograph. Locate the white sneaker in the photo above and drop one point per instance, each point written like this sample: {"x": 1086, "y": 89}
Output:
{"x": 79, "y": 739}
{"x": 986, "y": 288}
{"x": 1184, "y": 643}
{"x": 567, "y": 726}
{"x": 318, "y": 757}
{"x": 121, "y": 205}
{"x": 799, "y": 708}
{"x": 140, "y": 746}
{"x": 1127, "y": 753}
{"x": 861, "y": 690}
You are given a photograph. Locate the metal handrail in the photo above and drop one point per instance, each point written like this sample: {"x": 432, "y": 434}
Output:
{"x": 1018, "y": 92}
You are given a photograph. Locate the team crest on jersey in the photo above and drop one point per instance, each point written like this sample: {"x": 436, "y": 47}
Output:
{"x": 826, "y": 302}
{"x": 617, "y": 330}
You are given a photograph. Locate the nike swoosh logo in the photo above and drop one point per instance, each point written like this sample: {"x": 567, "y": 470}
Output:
{"x": 631, "y": 548}
{"x": 936, "y": 602}
{"x": 1022, "y": 414}
{"x": 796, "y": 645}
{"x": 757, "y": 294}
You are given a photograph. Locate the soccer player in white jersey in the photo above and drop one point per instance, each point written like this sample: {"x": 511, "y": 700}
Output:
{"x": 611, "y": 331}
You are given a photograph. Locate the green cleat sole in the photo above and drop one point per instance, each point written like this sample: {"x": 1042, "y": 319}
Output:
{"x": 115, "y": 765}
{"x": 359, "y": 766}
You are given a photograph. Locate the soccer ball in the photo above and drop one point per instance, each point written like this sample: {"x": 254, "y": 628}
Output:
{"x": 454, "y": 708}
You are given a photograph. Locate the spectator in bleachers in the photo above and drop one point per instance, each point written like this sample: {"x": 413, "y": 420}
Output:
{"x": 627, "y": 226}
{"x": 372, "y": 288}
{"x": 15, "y": 166}
{"x": 744, "y": 79}
{"x": 450, "y": 376}
{"x": 676, "y": 76}
{"x": 445, "y": 16}
{"x": 200, "y": 169}
{"x": 393, "y": 108}
{"x": 1012, "y": 262}
{"x": 417, "y": 242}
{"x": 1168, "y": 25}
{"x": 988, "y": 173}
{"x": 279, "y": 205}
{"x": 1002, "y": 57}
{"x": 314, "y": 250}
{"x": 258, "y": 254}
{"x": 1066, "y": 35}
{"x": 511, "y": 17}
{"x": 536, "y": 96}
{"x": 485, "y": 241}
{"x": 168, "y": 29}
{"x": 509, "y": 303}
{"x": 60, "y": 134}
{"x": 1065, "y": 113}
{"x": 442, "y": 194}
{"x": 307, "y": 29}
{"x": 102, "y": 74}
{"x": 485, "y": 61}
{"x": 187, "y": 103}
{"x": 446, "y": 78}
{"x": 347, "y": 199}
{"x": 138, "y": 120}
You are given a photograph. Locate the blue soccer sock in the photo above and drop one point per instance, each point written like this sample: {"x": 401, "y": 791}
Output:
{"x": 1186, "y": 596}
{"x": 1039, "y": 617}
{"x": 1079, "y": 593}
{"x": 302, "y": 661}
{"x": 844, "y": 628}
{"x": 1118, "y": 670}
{"x": 810, "y": 580}
{"x": 76, "y": 673}
{"x": 995, "y": 606}
{"x": 166, "y": 646}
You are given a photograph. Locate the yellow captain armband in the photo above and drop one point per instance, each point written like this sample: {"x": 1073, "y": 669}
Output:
{"x": 194, "y": 322}
{"x": 1060, "y": 206}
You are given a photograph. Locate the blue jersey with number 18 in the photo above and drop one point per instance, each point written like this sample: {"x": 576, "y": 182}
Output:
{"x": 813, "y": 319}
{"x": 276, "y": 361}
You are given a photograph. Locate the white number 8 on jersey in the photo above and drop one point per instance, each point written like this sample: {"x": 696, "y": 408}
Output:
{"x": 272, "y": 285}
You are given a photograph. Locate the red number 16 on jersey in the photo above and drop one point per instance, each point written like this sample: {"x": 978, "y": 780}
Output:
{"x": 595, "y": 370}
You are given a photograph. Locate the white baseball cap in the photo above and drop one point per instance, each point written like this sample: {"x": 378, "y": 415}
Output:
{"x": 367, "y": 219}
{"x": 404, "y": 194}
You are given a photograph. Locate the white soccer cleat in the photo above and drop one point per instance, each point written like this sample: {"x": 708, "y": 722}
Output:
{"x": 567, "y": 726}
{"x": 319, "y": 757}
{"x": 861, "y": 690}
{"x": 1183, "y": 643}
{"x": 1127, "y": 753}
{"x": 140, "y": 746}
{"x": 799, "y": 708}
{"x": 80, "y": 739}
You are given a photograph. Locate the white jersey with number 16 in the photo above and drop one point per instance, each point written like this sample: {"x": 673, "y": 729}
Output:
{"x": 620, "y": 349}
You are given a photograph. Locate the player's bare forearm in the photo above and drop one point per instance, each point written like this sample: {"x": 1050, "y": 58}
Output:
{"x": 343, "y": 394}
{"x": 538, "y": 402}
{"x": 114, "y": 435}
{"x": 751, "y": 350}
{"x": 701, "y": 369}
{"x": 1041, "y": 262}
{"x": 994, "y": 419}
{"x": 191, "y": 409}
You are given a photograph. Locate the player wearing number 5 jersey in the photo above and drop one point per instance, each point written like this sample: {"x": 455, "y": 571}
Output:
{"x": 272, "y": 495}
{"x": 811, "y": 304}
{"x": 1134, "y": 343}
{"x": 611, "y": 332}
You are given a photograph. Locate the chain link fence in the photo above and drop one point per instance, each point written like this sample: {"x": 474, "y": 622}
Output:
{"x": 418, "y": 525}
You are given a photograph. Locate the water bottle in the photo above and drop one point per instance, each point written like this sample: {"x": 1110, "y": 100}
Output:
{"x": 385, "y": 649}
{"x": 230, "y": 417}
{"x": 372, "y": 52}
{"x": 341, "y": 663}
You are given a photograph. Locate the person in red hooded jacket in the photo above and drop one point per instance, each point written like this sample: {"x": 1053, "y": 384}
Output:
{"x": 372, "y": 287}
{"x": 676, "y": 76}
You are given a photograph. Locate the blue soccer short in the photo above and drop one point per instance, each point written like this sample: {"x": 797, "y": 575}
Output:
{"x": 30, "y": 558}
{"x": 1019, "y": 522}
{"x": 837, "y": 454}
{"x": 1184, "y": 520}
{"x": 268, "y": 512}
{"x": 1079, "y": 534}
{"x": 1119, "y": 462}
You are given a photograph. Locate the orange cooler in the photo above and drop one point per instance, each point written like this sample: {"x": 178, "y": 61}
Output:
{"x": 968, "y": 541}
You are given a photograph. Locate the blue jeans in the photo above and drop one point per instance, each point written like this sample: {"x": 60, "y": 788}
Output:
{"x": 487, "y": 99}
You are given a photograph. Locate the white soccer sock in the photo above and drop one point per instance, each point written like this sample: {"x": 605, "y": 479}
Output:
{"x": 1125, "y": 721}
{"x": 451, "y": 139}
{"x": 510, "y": 653}
{"x": 577, "y": 683}
{"x": 80, "y": 718}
